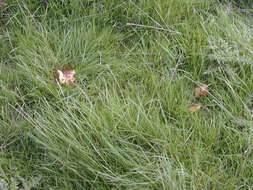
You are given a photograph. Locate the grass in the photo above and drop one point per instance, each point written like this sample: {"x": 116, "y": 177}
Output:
{"x": 125, "y": 123}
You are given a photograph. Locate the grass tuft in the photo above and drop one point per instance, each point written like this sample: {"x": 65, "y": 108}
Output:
{"x": 125, "y": 123}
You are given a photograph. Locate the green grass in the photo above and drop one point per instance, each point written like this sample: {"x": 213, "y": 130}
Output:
{"x": 125, "y": 123}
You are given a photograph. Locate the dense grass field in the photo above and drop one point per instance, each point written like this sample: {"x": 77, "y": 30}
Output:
{"x": 126, "y": 123}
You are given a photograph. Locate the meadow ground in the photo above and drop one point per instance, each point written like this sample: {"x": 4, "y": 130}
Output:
{"x": 125, "y": 123}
